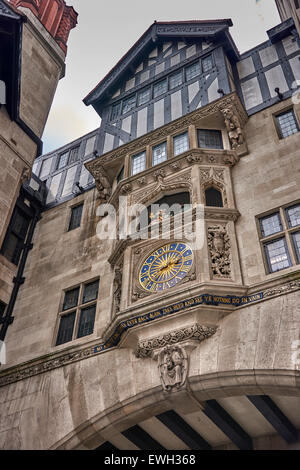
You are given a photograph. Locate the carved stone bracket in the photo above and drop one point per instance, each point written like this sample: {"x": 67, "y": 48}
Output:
{"x": 171, "y": 351}
{"x": 103, "y": 184}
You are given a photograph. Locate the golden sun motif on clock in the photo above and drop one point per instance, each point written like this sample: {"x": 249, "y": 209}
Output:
{"x": 166, "y": 267}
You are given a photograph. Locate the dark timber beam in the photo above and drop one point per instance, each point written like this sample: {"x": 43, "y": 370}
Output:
{"x": 276, "y": 418}
{"x": 107, "y": 446}
{"x": 226, "y": 423}
{"x": 142, "y": 439}
{"x": 183, "y": 430}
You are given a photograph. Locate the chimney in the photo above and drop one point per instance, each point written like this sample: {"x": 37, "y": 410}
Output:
{"x": 55, "y": 15}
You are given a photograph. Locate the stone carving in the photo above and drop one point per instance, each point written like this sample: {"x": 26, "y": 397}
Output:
{"x": 173, "y": 365}
{"x": 136, "y": 295}
{"x": 141, "y": 181}
{"x": 102, "y": 183}
{"x": 175, "y": 166}
{"x": 25, "y": 176}
{"x": 233, "y": 127}
{"x": 117, "y": 286}
{"x": 126, "y": 189}
{"x": 213, "y": 177}
{"x": 282, "y": 289}
{"x": 194, "y": 332}
{"x": 193, "y": 159}
{"x": 219, "y": 248}
{"x": 159, "y": 175}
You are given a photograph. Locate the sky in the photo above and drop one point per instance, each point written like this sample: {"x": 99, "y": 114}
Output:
{"x": 107, "y": 29}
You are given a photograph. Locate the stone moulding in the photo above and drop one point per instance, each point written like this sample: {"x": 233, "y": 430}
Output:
{"x": 41, "y": 365}
{"x": 197, "y": 332}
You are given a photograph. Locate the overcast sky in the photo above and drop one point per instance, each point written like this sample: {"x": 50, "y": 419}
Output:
{"x": 107, "y": 29}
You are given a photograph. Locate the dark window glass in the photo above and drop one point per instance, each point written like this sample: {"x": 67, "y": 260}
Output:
{"x": 74, "y": 154}
{"x": 15, "y": 236}
{"x": 129, "y": 104}
{"x": 90, "y": 291}
{"x": 181, "y": 143}
{"x": 207, "y": 63}
{"x": 115, "y": 110}
{"x": 75, "y": 219}
{"x": 159, "y": 153}
{"x": 120, "y": 175}
{"x": 2, "y": 308}
{"x": 160, "y": 88}
{"x": 213, "y": 198}
{"x": 287, "y": 124}
{"x": 293, "y": 215}
{"x": 277, "y": 255}
{"x": 296, "y": 240}
{"x": 66, "y": 327}
{"x": 86, "y": 321}
{"x": 210, "y": 139}
{"x": 175, "y": 80}
{"x": 297, "y": 3}
{"x": 62, "y": 160}
{"x": 270, "y": 224}
{"x": 192, "y": 71}
{"x": 71, "y": 298}
{"x": 144, "y": 96}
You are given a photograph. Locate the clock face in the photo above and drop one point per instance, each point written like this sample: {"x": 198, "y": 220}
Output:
{"x": 165, "y": 267}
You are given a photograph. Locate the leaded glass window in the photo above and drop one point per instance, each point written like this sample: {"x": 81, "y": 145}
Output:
{"x": 296, "y": 241}
{"x": 86, "y": 321}
{"x": 62, "y": 160}
{"x": 293, "y": 215}
{"x": 75, "y": 219}
{"x": 277, "y": 255}
{"x": 74, "y": 155}
{"x": 270, "y": 224}
{"x": 287, "y": 124}
{"x": 115, "y": 110}
{"x": 138, "y": 163}
{"x": 71, "y": 298}
{"x": 66, "y": 326}
{"x": 129, "y": 104}
{"x": 175, "y": 80}
{"x": 160, "y": 88}
{"x": 159, "y": 153}
{"x": 192, "y": 71}
{"x": 181, "y": 143}
{"x": 144, "y": 96}
{"x": 90, "y": 291}
{"x": 208, "y": 138}
{"x": 207, "y": 63}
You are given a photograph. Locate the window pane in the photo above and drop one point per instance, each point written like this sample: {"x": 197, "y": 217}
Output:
{"x": 120, "y": 175}
{"x": 160, "y": 88}
{"x": 296, "y": 240}
{"x": 159, "y": 153}
{"x": 2, "y": 308}
{"x": 213, "y": 198}
{"x": 20, "y": 224}
{"x": 207, "y": 63}
{"x": 181, "y": 143}
{"x": 74, "y": 154}
{"x": 278, "y": 255}
{"x": 287, "y": 124}
{"x": 293, "y": 214}
{"x": 86, "y": 321}
{"x": 192, "y": 71}
{"x": 129, "y": 104}
{"x": 12, "y": 248}
{"x": 138, "y": 163}
{"x": 115, "y": 111}
{"x": 90, "y": 291}
{"x": 71, "y": 298}
{"x": 75, "y": 219}
{"x": 144, "y": 96}
{"x": 62, "y": 161}
{"x": 175, "y": 80}
{"x": 270, "y": 224}
{"x": 46, "y": 166}
{"x": 210, "y": 139}
{"x": 66, "y": 326}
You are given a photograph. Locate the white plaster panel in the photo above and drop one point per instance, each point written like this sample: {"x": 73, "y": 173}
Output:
{"x": 53, "y": 188}
{"x": 141, "y": 122}
{"x": 153, "y": 53}
{"x": 46, "y": 166}
{"x": 268, "y": 55}
{"x": 126, "y": 124}
{"x": 180, "y": 45}
{"x": 159, "y": 68}
{"x": 213, "y": 91}
{"x": 175, "y": 60}
{"x": 159, "y": 113}
{"x": 166, "y": 45}
{"x": 251, "y": 93}
{"x": 108, "y": 142}
{"x": 90, "y": 145}
{"x": 245, "y": 67}
{"x": 275, "y": 78}
{"x": 129, "y": 84}
{"x": 295, "y": 65}
{"x": 68, "y": 185}
{"x": 193, "y": 90}
{"x": 176, "y": 105}
{"x": 191, "y": 51}
{"x": 84, "y": 175}
{"x": 290, "y": 45}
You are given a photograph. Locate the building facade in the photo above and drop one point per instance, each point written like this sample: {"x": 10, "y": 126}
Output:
{"x": 132, "y": 334}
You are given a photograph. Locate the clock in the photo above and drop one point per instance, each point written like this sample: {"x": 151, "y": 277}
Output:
{"x": 165, "y": 267}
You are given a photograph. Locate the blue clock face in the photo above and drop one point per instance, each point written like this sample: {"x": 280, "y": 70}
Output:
{"x": 165, "y": 267}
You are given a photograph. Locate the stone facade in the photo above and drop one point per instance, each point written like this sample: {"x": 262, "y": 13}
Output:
{"x": 227, "y": 333}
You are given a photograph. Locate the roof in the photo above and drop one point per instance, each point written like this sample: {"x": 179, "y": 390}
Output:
{"x": 161, "y": 30}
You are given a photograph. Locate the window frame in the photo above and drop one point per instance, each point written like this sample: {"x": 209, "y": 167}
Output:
{"x": 77, "y": 311}
{"x": 68, "y": 153}
{"x": 73, "y": 208}
{"x": 216, "y": 131}
{"x": 143, "y": 152}
{"x": 188, "y": 141}
{"x": 287, "y": 233}
{"x": 164, "y": 142}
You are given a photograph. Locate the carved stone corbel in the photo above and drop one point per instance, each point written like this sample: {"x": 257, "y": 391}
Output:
{"x": 103, "y": 184}
{"x": 234, "y": 128}
{"x": 172, "y": 351}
